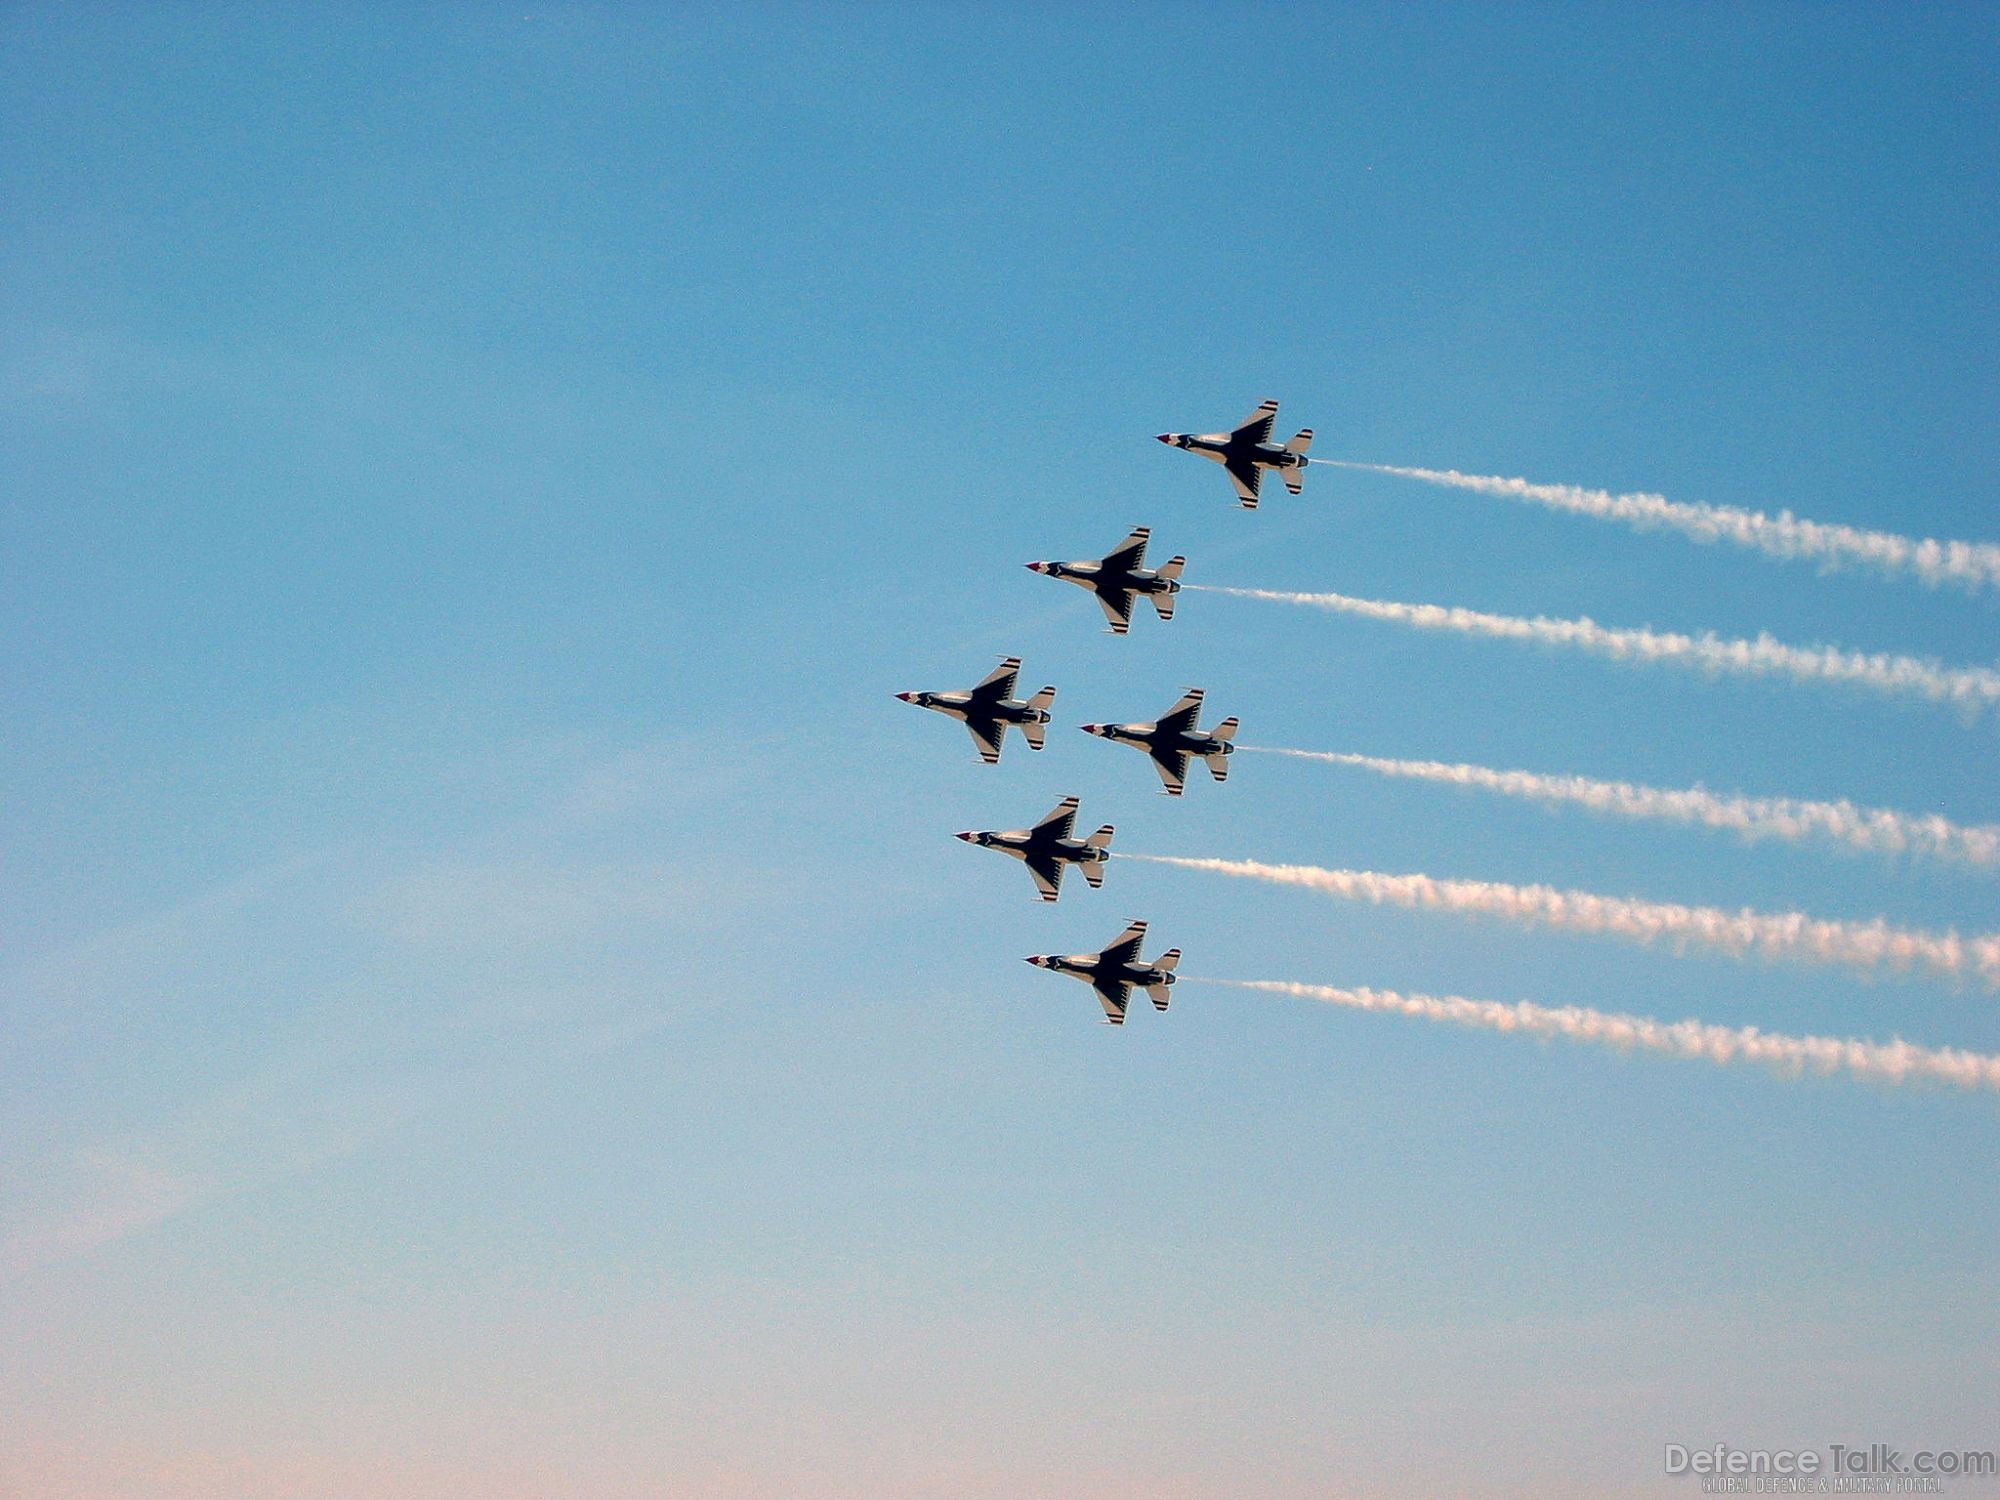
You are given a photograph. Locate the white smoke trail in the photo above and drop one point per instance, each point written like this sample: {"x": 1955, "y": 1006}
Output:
{"x": 1894, "y": 1061}
{"x": 1876, "y": 829}
{"x": 1971, "y": 688}
{"x": 1968, "y": 565}
{"x": 1868, "y": 946}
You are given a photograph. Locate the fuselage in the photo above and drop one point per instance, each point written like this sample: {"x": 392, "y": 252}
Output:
{"x": 1096, "y": 576}
{"x": 1091, "y": 968}
{"x": 1026, "y": 843}
{"x": 1155, "y": 738}
{"x": 960, "y": 705}
{"x": 1221, "y": 447}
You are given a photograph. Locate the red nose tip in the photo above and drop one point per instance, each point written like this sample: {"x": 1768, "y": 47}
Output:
{"x": 1037, "y": 960}
{"x": 1092, "y": 728}
{"x": 906, "y": 697}
{"x": 1038, "y": 567}
{"x": 968, "y": 837}
{"x": 1165, "y": 437}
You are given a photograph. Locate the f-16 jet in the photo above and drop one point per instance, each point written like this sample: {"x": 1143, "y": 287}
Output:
{"x": 1113, "y": 972}
{"x": 1248, "y": 451}
{"x": 990, "y": 707}
{"x": 1121, "y": 575}
{"x": 1047, "y": 849}
{"x": 1172, "y": 738}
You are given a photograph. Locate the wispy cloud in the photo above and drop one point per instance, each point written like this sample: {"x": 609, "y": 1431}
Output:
{"x": 1881, "y": 1062}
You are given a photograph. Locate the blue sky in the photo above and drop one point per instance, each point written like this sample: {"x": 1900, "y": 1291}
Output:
{"x": 493, "y": 1006}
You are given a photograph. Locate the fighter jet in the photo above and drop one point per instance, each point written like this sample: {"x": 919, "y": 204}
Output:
{"x": 1173, "y": 738}
{"x": 1119, "y": 576}
{"x": 1248, "y": 451}
{"x": 1113, "y": 972}
{"x": 990, "y": 707}
{"x": 1047, "y": 849}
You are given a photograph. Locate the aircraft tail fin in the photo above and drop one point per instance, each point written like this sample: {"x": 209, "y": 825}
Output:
{"x": 1225, "y": 731}
{"x": 1102, "y": 838}
{"x": 1163, "y": 604}
{"x": 1168, "y": 960}
{"x": 1218, "y": 767}
{"x": 1033, "y": 732}
{"x": 1161, "y": 995}
{"x": 1302, "y": 443}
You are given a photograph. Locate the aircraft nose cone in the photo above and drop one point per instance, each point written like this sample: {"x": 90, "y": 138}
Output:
{"x": 1092, "y": 728}
{"x": 1038, "y": 567}
{"x": 1164, "y": 437}
{"x": 906, "y": 697}
{"x": 968, "y": 837}
{"x": 1037, "y": 960}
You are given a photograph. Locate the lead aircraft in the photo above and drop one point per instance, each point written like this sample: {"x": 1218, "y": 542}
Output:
{"x": 1248, "y": 451}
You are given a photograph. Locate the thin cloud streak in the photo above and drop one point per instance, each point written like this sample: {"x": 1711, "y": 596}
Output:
{"x": 1975, "y": 689}
{"x": 1894, "y": 1061}
{"x": 1877, "y": 830}
{"x": 1967, "y": 565}
{"x": 1871, "y": 947}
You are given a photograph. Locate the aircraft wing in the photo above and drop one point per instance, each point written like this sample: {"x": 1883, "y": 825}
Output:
{"x": 1246, "y": 476}
{"x": 1182, "y": 715}
{"x": 1048, "y": 875}
{"x": 1172, "y": 766}
{"x": 1256, "y": 427}
{"x": 1112, "y": 995}
{"x": 987, "y": 735}
{"x": 1124, "y": 949}
{"x": 1128, "y": 554}
{"x": 1060, "y": 823}
{"x": 998, "y": 683}
{"x": 1117, "y": 607}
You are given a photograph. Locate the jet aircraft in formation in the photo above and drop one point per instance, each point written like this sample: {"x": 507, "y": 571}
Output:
{"x": 1048, "y": 849}
{"x": 1120, "y": 576}
{"x": 1173, "y": 737}
{"x": 989, "y": 707}
{"x": 1115, "y": 970}
{"x": 1118, "y": 580}
{"x": 1248, "y": 451}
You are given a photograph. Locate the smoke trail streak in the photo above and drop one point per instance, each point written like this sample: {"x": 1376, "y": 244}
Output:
{"x": 1876, "y": 829}
{"x": 1968, "y": 565}
{"x": 1895, "y": 1061}
{"x": 1867, "y": 946}
{"x": 1971, "y": 688}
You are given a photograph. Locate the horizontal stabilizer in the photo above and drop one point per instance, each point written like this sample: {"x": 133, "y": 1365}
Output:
{"x": 1170, "y": 960}
{"x": 1218, "y": 767}
{"x": 1171, "y": 568}
{"x": 1034, "y": 734}
{"x": 1043, "y": 699}
{"x": 1225, "y": 731}
{"x": 1302, "y": 443}
{"x": 1102, "y": 838}
{"x": 1094, "y": 875}
{"x": 1161, "y": 994}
